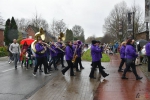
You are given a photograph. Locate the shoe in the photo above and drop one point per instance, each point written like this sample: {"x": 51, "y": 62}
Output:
{"x": 40, "y": 71}
{"x": 106, "y": 75}
{"x": 102, "y": 67}
{"x": 47, "y": 74}
{"x": 120, "y": 70}
{"x": 63, "y": 66}
{"x": 129, "y": 70}
{"x": 82, "y": 68}
{"x": 73, "y": 75}
{"x": 93, "y": 77}
{"x": 63, "y": 73}
{"x": 15, "y": 67}
{"x": 138, "y": 78}
{"x": 9, "y": 62}
{"x": 33, "y": 74}
{"x": 78, "y": 70}
{"x": 123, "y": 77}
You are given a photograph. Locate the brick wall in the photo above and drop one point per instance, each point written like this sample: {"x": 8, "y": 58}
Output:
{"x": 1, "y": 38}
{"x": 30, "y": 32}
{"x": 141, "y": 36}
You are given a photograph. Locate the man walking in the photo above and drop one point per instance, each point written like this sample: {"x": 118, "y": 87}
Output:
{"x": 15, "y": 50}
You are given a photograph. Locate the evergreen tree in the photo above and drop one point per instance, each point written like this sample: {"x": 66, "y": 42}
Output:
{"x": 7, "y": 28}
{"x": 69, "y": 35}
{"x": 13, "y": 24}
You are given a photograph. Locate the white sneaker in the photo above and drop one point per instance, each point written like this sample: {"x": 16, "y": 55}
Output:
{"x": 47, "y": 74}
{"x": 33, "y": 74}
{"x": 9, "y": 62}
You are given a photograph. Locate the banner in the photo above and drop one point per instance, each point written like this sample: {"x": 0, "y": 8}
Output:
{"x": 147, "y": 10}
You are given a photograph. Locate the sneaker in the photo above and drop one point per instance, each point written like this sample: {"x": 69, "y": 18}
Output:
{"x": 47, "y": 74}
{"x": 33, "y": 74}
{"x": 9, "y": 62}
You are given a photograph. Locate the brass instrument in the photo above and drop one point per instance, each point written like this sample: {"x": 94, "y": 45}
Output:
{"x": 74, "y": 55}
{"x": 49, "y": 46}
{"x": 61, "y": 37}
{"x": 41, "y": 35}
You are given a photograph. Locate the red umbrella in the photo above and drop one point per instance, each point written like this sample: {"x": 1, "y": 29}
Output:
{"x": 27, "y": 40}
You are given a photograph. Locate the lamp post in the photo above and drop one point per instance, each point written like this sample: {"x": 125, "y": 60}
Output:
{"x": 147, "y": 32}
{"x": 133, "y": 23}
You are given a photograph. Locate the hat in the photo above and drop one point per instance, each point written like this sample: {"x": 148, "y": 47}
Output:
{"x": 94, "y": 41}
{"x": 79, "y": 42}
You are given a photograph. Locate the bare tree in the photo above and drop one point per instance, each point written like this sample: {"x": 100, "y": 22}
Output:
{"x": 57, "y": 27}
{"x": 22, "y": 23}
{"x": 1, "y": 20}
{"x": 119, "y": 14}
{"x": 90, "y": 38}
{"x": 77, "y": 30}
{"x": 38, "y": 22}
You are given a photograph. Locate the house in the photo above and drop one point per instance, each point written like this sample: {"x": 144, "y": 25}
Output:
{"x": 2, "y": 28}
{"x": 31, "y": 31}
{"x": 142, "y": 35}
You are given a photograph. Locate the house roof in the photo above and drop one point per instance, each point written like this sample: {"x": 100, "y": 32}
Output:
{"x": 34, "y": 28}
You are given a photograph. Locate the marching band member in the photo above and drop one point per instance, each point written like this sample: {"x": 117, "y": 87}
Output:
{"x": 69, "y": 57}
{"x": 41, "y": 57}
{"x": 95, "y": 53}
{"x": 53, "y": 54}
{"x": 78, "y": 59}
{"x": 60, "y": 53}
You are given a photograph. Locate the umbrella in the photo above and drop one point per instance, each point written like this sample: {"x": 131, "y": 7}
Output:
{"x": 142, "y": 42}
{"x": 27, "y": 40}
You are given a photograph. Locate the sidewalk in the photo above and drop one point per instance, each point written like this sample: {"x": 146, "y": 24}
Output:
{"x": 81, "y": 87}
{"x": 64, "y": 87}
{"x": 114, "y": 88}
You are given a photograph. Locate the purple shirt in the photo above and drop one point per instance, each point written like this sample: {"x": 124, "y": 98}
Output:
{"x": 95, "y": 53}
{"x": 122, "y": 52}
{"x": 52, "y": 53}
{"x": 69, "y": 53}
{"x": 130, "y": 52}
{"x": 147, "y": 47}
{"x": 39, "y": 47}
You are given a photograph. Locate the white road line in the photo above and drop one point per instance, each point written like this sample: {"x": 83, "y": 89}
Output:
{"x": 9, "y": 69}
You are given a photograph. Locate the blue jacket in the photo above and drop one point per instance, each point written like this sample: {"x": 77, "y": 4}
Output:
{"x": 122, "y": 51}
{"x": 69, "y": 53}
{"x": 95, "y": 53}
{"x": 130, "y": 52}
{"x": 147, "y": 47}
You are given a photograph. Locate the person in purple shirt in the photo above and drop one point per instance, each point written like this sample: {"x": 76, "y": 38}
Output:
{"x": 53, "y": 53}
{"x": 95, "y": 53}
{"x": 41, "y": 57}
{"x": 69, "y": 57}
{"x": 78, "y": 59}
{"x": 122, "y": 56}
{"x": 130, "y": 54}
{"x": 60, "y": 54}
{"x": 147, "y": 47}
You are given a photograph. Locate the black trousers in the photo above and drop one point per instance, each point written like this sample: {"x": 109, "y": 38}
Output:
{"x": 95, "y": 64}
{"x": 60, "y": 57}
{"x": 52, "y": 61}
{"x": 121, "y": 63}
{"x": 130, "y": 63}
{"x": 148, "y": 63}
{"x": 70, "y": 65}
{"x": 78, "y": 61}
{"x": 40, "y": 61}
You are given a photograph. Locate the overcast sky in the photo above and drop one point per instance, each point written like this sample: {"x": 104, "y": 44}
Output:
{"x": 89, "y": 14}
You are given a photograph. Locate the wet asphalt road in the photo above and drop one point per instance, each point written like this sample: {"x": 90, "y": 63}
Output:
{"x": 20, "y": 84}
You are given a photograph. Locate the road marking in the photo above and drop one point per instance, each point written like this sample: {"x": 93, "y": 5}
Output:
{"x": 9, "y": 69}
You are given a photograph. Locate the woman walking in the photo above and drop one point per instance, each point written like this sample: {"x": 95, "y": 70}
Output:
{"x": 131, "y": 55}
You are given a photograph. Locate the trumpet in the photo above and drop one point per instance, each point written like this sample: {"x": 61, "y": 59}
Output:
{"x": 49, "y": 46}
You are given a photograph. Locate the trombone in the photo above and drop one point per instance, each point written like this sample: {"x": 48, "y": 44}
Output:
{"x": 49, "y": 46}
{"x": 59, "y": 47}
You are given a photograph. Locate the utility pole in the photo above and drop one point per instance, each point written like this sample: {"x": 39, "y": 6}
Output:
{"x": 133, "y": 24}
